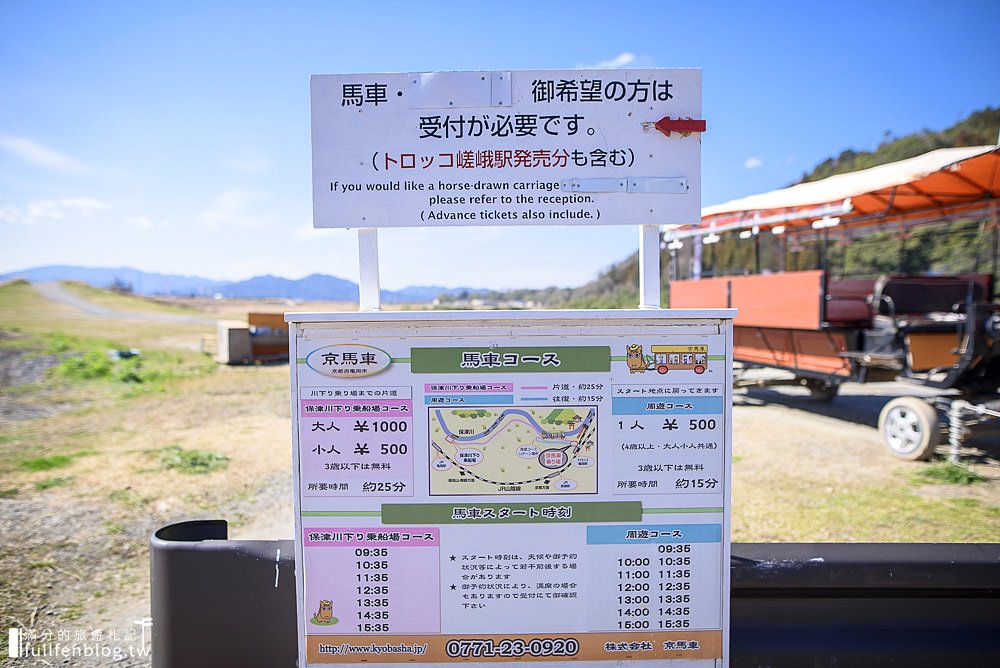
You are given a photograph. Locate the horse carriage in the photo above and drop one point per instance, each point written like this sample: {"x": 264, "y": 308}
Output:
{"x": 834, "y": 323}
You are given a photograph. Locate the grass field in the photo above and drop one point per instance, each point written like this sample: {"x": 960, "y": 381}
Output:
{"x": 96, "y": 453}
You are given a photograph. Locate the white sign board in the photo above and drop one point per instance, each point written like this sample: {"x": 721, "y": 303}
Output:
{"x": 505, "y": 148}
{"x": 496, "y": 487}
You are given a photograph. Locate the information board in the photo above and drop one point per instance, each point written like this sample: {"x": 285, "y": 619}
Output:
{"x": 538, "y": 147}
{"x": 489, "y": 486}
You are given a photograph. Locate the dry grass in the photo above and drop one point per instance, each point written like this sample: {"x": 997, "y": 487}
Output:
{"x": 24, "y": 311}
{"x": 801, "y": 477}
{"x": 127, "y": 302}
{"x": 109, "y": 486}
{"x": 239, "y": 413}
{"x": 237, "y": 309}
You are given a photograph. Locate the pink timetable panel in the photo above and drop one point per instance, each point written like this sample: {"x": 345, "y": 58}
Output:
{"x": 372, "y": 580}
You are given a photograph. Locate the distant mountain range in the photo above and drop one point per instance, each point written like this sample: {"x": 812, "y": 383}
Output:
{"x": 315, "y": 287}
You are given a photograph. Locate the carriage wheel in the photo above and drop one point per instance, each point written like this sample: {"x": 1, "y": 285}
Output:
{"x": 909, "y": 428}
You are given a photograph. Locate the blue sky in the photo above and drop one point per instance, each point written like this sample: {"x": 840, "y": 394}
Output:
{"x": 174, "y": 137}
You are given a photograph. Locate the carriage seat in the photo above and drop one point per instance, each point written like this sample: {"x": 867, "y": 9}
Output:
{"x": 848, "y": 302}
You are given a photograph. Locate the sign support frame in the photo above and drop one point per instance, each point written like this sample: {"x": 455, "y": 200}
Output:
{"x": 328, "y": 346}
{"x": 649, "y": 266}
{"x": 369, "y": 290}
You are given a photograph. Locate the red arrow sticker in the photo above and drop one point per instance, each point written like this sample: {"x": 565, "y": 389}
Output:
{"x": 666, "y": 125}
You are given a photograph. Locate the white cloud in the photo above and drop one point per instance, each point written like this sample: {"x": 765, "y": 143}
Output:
{"x": 621, "y": 60}
{"x": 10, "y": 214}
{"x": 238, "y": 208}
{"x": 139, "y": 221}
{"x": 250, "y": 162}
{"x": 146, "y": 223}
{"x": 40, "y": 210}
{"x": 85, "y": 204}
{"x": 753, "y": 163}
{"x": 38, "y": 155}
{"x": 306, "y": 232}
{"x": 624, "y": 59}
{"x": 43, "y": 209}
{"x": 436, "y": 237}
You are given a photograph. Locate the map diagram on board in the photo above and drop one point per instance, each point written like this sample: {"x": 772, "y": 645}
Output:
{"x": 513, "y": 450}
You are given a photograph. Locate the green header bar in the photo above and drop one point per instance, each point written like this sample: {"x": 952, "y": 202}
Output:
{"x": 680, "y": 511}
{"x": 511, "y": 513}
{"x": 536, "y": 359}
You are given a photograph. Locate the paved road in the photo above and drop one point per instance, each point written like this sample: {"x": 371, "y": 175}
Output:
{"x": 55, "y": 292}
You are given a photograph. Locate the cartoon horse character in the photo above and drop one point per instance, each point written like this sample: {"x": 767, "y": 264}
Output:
{"x": 634, "y": 359}
{"x": 325, "y": 613}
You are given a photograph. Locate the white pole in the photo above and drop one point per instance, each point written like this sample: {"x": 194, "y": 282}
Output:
{"x": 649, "y": 266}
{"x": 370, "y": 298}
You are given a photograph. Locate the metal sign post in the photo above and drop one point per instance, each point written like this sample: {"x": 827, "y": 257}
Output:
{"x": 649, "y": 266}
{"x": 497, "y": 486}
{"x": 369, "y": 290}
